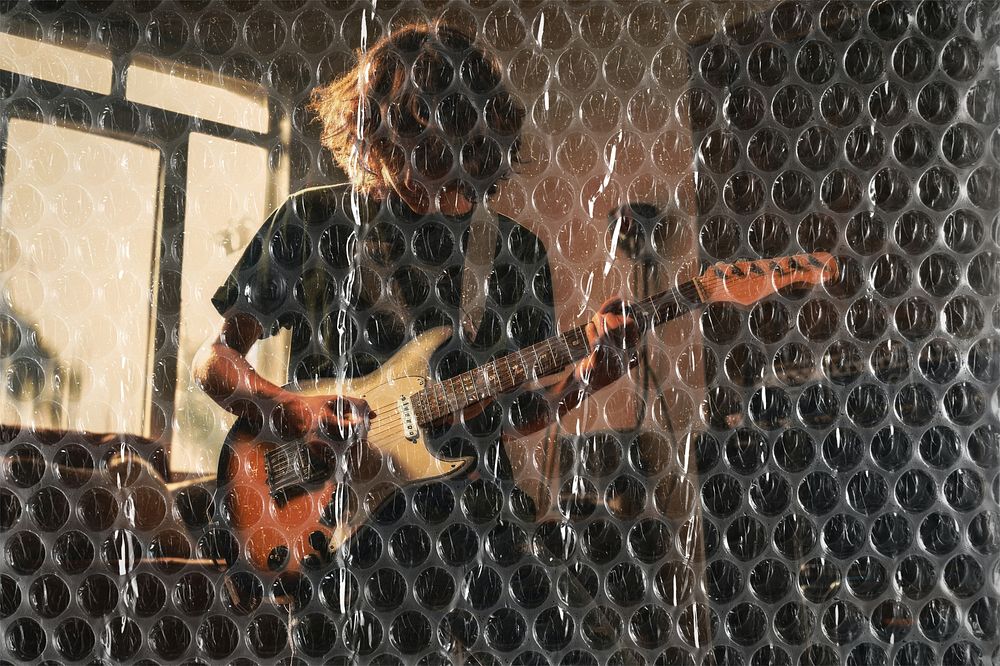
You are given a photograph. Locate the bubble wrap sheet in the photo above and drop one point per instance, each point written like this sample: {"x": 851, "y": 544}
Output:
{"x": 807, "y": 477}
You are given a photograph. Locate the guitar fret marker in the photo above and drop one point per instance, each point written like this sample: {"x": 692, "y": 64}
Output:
{"x": 729, "y": 282}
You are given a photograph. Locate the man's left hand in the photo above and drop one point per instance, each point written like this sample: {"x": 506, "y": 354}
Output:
{"x": 612, "y": 334}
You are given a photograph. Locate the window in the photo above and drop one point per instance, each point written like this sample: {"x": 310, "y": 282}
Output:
{"x": 102, "y": 239}
{"x": 79, "y": 220}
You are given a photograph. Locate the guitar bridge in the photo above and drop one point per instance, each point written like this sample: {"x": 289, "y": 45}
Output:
{"x": 408, "y": 417}
{"x": 281, "y": 486}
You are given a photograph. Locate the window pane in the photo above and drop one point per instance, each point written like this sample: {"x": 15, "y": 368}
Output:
{"x": 226, "y": 202}
{"x": 197, "y": 92}
{"x": 78, "y": 229}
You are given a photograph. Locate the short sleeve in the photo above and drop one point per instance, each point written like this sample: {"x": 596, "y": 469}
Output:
{"x": 530, "y": 280}
{"x": 262, "y": 281}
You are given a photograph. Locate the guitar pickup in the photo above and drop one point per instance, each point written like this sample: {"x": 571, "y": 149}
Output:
{"x": 408, "y": 417}
{"x": 283, "y": 474}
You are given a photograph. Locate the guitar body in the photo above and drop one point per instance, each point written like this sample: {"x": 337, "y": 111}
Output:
{"x": 307, "y": 522}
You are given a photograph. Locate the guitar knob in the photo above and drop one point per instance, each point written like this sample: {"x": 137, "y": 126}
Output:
{"x": 277, "y": 558}
{"x": 318, "y": 541}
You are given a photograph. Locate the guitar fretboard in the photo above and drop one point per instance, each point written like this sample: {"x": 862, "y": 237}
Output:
{"x": 506, "y": 373}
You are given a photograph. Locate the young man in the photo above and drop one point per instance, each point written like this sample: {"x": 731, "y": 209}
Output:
{"x": 426, "y": 134}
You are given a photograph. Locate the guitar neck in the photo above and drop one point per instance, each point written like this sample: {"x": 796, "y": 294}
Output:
{"x": 506, "y": 373}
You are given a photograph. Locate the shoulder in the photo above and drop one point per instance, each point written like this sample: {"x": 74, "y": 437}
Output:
{"x": 317, "y": 204}
{"x": 287, "y": 226}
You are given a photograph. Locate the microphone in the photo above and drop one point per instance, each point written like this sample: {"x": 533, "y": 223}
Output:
{"x": 632, "y": 224}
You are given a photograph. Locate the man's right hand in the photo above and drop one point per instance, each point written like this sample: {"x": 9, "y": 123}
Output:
{"x": 333, "y": 417}
{"x": 224, "y": 373}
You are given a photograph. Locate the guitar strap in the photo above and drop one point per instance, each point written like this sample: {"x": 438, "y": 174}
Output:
{"x": 476, "y": 270}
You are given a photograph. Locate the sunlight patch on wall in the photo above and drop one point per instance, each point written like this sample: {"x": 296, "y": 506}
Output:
{"x": 226, "y": 199}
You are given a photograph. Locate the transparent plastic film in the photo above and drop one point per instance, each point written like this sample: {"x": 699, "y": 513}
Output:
{"x": 490, "y": 332}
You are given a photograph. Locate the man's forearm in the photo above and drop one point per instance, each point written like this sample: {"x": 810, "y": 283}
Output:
{"x": 229, "y": 379}
{"x": 224, "y": 373}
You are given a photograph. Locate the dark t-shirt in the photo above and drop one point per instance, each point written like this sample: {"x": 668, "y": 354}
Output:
{"x": 355, "y": 279}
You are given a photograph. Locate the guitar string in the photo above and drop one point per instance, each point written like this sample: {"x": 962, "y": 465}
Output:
{"x": 651, "y": 301}
{"x": 287, "y": 463}
{"x": 707, "y": 281}
{"x": 382, "y": 426}
{"x": 281, "y": 469}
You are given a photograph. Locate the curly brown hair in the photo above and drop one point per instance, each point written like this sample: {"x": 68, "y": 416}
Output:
{"x": 413, "y": 100}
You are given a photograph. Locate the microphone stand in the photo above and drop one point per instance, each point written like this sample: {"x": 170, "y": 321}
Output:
{"x": 633, "y": 224}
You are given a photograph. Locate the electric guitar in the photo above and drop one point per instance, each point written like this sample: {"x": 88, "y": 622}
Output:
{"x": 295, "y": 503}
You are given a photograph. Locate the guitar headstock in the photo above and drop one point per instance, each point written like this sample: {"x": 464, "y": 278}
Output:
{"x": 746, "y": 282}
